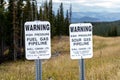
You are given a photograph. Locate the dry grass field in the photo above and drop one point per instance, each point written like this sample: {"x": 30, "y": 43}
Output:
{"x": 105, "y": 64}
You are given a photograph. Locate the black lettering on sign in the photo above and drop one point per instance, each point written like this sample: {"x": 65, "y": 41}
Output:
{"x": 37, "y": 43}
{"x": 31, "y": 39}
{"x": 37, "y": 27}
{"x": 81, "y": 43}
{"x": 76, "y": 40}
{"x": 44, "y": 39}
{"x": 87, "y": 39}
{"x": 81, "y": 28}
{"x": 29, "y": 34}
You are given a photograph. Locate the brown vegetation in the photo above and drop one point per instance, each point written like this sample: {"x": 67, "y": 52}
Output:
{"x": 105, "y": 64}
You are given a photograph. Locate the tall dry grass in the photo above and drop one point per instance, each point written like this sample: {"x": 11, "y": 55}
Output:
{"x": 105, "y": 64}
{"x": 20, "y": 70}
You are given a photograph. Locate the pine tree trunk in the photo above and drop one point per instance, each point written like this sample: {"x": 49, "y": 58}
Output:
{"x": 14, "y": 26}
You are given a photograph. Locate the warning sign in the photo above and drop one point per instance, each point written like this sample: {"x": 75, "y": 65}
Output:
{"x": 37, "y": 40}
{"x": 81, "y": 46}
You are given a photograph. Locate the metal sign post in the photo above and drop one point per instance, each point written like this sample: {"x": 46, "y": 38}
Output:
{"x": 38, "y": 69}
{"x": 82, "y": 69}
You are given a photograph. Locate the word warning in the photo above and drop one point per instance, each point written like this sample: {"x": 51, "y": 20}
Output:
{"x": 37, "y": 40}
{"x": 81, "y": 44}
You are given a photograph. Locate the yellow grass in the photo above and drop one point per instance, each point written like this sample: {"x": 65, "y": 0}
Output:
{"x": 105, "y": 64}
{"x": 20, "y": 70}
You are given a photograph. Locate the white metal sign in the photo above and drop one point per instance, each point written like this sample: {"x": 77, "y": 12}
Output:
{"x": 81, "y": 45}
{"x": 37, "y": 40}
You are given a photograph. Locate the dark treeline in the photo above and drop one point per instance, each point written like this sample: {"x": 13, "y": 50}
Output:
{"x": 106, "y": 29}
{"x": 12, "y": 21}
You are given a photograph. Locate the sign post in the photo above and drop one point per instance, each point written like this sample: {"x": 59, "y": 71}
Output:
{"x": 37, "y": 43}
{"x": 81, "y": 43}
{"x": 38, "y": 69}
{"x": 82, "y": 69}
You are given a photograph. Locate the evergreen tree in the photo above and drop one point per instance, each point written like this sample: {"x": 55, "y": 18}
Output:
{"x": 45, "y": 11}
{"x": 57, "y": 25}
{"x": 10, "y": 29}
{"x": 2, "y": 25}
{"x": 14, "y": 20}
{"x": 19, "y": 28}
{"x": 34, "y": 11}
{"x": 50, "y": 12}
{"x": 61, "y": 17}
{"x": 53, "y": 26}
{"x": 70, "y": 13}
{"x": 27, "y": 13}
{"x": 51, "y": 18}
{"x": 67, "y": 23}
{"x": 40, "y": 13}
